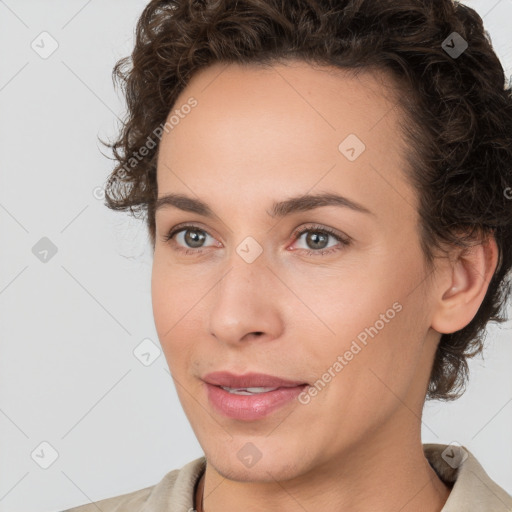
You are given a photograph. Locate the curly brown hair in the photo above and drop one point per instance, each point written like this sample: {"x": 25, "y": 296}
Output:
{"x": 458, "y": 121}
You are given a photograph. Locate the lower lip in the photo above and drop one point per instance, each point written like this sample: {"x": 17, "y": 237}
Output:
{"x": 250, "y": 407}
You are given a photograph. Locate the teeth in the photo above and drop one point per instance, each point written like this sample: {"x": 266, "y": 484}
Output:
{"x": 247, "y": 391}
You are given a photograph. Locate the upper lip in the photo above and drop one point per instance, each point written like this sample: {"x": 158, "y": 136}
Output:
{"x": 249, "y": 380}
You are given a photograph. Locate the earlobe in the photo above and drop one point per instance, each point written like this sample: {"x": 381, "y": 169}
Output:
{"x": 464, "y": 288}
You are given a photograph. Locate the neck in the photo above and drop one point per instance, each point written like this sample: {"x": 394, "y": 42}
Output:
{"x": 391, "y": 476}
{"x": 198, "y": 499}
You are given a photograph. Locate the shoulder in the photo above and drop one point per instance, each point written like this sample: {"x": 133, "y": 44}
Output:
{"x": 124, "y": 503}
{"x": 174, "y": 492}
{"x": 472, "y": 489}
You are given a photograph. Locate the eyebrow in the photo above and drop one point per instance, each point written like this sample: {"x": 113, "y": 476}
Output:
{"x": 279, "y": 209}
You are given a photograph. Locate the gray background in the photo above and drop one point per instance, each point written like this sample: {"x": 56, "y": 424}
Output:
{"x": 69, "y": 326}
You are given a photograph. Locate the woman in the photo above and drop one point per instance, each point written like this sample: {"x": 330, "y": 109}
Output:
{"x": 327, "y": 192}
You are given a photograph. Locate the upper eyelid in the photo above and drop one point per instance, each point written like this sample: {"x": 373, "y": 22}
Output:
{"x": 181, "y": 227}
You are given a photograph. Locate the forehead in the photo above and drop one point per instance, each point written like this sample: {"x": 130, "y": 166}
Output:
{"x": 284, "y": 127}
{"x": 317, "y": 93}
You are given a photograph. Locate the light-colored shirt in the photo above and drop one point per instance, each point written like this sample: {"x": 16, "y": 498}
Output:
{"x": 472, "y": 490}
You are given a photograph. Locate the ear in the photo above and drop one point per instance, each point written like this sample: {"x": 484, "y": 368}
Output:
{"x": 463, "y": 285}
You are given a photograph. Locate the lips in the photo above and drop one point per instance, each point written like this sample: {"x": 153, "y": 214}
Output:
{"x": 249, "y": 380}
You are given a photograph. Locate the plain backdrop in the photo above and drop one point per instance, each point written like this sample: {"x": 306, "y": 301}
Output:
{"x": 75, "y": 281}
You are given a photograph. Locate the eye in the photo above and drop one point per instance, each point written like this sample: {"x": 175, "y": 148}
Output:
{"x": 318, "y": 236}
{"x": 191, "y": 235}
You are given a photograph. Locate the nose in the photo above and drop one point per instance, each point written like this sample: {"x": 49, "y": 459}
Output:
{"x": 246, "y": 303}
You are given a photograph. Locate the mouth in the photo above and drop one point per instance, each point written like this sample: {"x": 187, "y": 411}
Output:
{"x": 248, "y": 391}
{"x": 251, "y": 396}
{"x": 249, "y": 382}
{"x": 251, "y": 402}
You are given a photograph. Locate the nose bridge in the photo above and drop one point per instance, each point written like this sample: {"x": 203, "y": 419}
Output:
{"x": 243, "y": 281}
{"x": 242, "y": 302}
{"x": 247, "y": 262}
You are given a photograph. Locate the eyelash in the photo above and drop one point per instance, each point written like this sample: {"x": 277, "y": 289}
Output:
{"x": 345, "y": 242}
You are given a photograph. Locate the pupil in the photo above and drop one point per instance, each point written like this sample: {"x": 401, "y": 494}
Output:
{"x": 195, "y": 238}
{"x": 314, "y": 238}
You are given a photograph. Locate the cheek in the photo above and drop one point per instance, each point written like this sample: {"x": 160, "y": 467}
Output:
{"x": 362, "y": 384}
{"x": 159, "y": 295}
{"x": 173, "y": 290}
{"x": 178, "y": 305}
{"x": 169, "y": 299}
{"x": 371, "y": 340}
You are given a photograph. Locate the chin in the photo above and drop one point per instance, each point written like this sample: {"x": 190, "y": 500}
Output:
{"x": 243, "y": 461}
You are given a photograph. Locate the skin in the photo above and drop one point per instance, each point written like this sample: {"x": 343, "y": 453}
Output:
{"x": 263, "y": 135}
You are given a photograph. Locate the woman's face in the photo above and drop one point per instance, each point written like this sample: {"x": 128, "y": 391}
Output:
{"x": 238, "y": 291}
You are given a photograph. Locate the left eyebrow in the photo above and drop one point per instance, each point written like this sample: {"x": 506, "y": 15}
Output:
{"x": 279, "y": 209}
{"x": 312, "y": 201}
